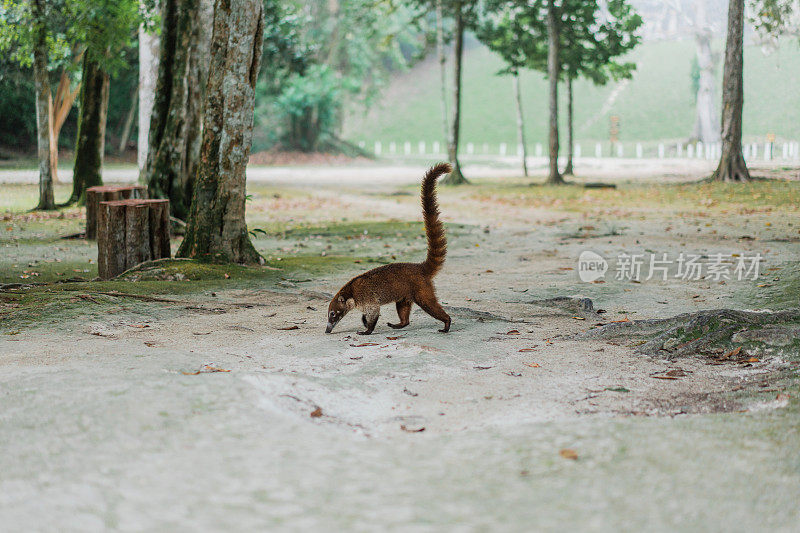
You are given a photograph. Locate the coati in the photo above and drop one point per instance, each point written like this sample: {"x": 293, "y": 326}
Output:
{"x": 403, "y": 283}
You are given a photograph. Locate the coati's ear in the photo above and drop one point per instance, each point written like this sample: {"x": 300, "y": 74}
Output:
{"x": 351, "y": 304}
{"x": 340, "y": 299}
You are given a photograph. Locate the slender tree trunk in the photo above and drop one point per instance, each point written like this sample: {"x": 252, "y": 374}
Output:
{"x": 732, "y": 166}
{"x": 43, "y": 107}
{"x": 125, "y": 134}
{"x": 456, "y": 177}
{"x": 442, "y": 68}
{"x": 520, "y": 124}
{"x": 216, "y": 227}
{"x": 166, "y": 169}
{"x": 705, "y": 128}
{"x": 59, "y": 110}
{"x": 570, "y": 142}
{"x": 553, "y": 70}
{"x": 148, "y": 75}
{"x": 90, "y": 146}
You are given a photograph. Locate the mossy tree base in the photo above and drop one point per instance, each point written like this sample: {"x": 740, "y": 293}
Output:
{"x": 710, "y": 333}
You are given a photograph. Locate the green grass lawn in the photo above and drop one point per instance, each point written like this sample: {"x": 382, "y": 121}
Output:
{"x": 656, "y": 105}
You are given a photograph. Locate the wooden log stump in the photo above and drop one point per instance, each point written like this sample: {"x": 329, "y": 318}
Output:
{"x": 130, "y": 232}
{"x": 107, "y": 193}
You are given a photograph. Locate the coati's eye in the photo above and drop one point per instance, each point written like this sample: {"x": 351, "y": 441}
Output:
{"x": 333, "y": 314}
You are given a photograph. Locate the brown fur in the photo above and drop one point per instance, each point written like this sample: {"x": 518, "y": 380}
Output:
{"x": 404, "y": 284}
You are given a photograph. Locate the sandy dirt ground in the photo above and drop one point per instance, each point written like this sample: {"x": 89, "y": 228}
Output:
{"x": 233, "y": 410}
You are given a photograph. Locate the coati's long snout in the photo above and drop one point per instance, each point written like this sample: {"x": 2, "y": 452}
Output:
{"x": 403, "y": 284}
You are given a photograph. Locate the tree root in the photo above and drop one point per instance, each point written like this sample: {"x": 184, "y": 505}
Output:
{"x": 709, "y": 332}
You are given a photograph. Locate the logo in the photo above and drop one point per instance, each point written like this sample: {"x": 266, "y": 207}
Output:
{"x": 591, "y": 266}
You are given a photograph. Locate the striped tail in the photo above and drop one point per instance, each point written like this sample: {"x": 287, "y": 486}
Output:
{"x": 434, "y": 230}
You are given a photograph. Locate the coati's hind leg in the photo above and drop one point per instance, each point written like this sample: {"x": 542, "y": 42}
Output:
{"x": 403, "y": 312}
{"x": 426, "y": 299}
{"x": 370, "y": 318}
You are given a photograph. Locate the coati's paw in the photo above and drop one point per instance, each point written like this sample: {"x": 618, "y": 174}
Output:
{"x": 445, "y": 329}
{"x": 364, "y": 321}
{"x": 365, "y": 333}
{"x": 396, "y": 326}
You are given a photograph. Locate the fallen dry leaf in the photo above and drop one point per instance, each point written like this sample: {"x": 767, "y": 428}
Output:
{"x": 732, "y": 353}
{"x": 140, "y": 326}
{"x": 513, "y": 332}
{"x": 578, "y": 318}
{"x": 753, "y": 360}
{"x": 289, "y": 328}
{"x": 364, "y": 344}
{"x": 568, "y": 453}
{"x": 528, "y": 349}
{"x": 205, "y": 369}
{"x": 412, "y": 430}
{"x": 316, "y": 413}
{"x": 532, "y": 365}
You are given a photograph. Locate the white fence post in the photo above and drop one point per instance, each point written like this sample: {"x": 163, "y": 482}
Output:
{"x": 407, "y": 148}
{"x": 639, "y": 150}
{"x": 435, "y": 147}
{"x": 679, "y": 150}
{"x": 620, "y": 150}
{"x": 538, "y": 149}
{"x": 502, "y": 149}
{"x": 377, "y": 148}
{"x": 577, "y": 151}
{"x": 598, "y": 150}
{"x": 519, "y": 149}
{"x": 699, "y": 148}
{"x": 690, "y": 151}
{"x": 661, "y": 150}
{"x": 470, "y": 148}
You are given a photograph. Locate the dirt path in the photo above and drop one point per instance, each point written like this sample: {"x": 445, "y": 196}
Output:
{"x": 221, "y": 416}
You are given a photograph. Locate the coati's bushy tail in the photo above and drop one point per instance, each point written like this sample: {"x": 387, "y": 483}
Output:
{"x": 434, "y": 230}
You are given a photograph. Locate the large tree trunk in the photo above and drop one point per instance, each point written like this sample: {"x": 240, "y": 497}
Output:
{"x": 165, "y": 172}
{"x": 198, "y": 76}
{"x": 456, "y": 177}
{"x": 90, "y": 146}
{"x": 43, "y": 107}
{"x": 442, "y": 67}
{"x": 148, "y": 74}
{"x": 570, "y": 142}
{"x": 520, "y": 124}
{"x": 732, "y": 166}
{"x": 705, "y": 128}
{"x": 553, "y": 70}
{"x": 216, "y": 228}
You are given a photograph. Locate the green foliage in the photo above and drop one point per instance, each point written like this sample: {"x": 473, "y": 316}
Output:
{"x": 592, "y": 39}
{"x": 17, "y": 111}
{"x": 105, "y": 29}
{"x": 18, "y": 29}
{"x": 773, "y": 18}
{"x": 320, "y": 57}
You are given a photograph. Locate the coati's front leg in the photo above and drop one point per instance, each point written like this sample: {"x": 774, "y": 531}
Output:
{"x": 369, "y": 319}
{"x": 403, "y": 312}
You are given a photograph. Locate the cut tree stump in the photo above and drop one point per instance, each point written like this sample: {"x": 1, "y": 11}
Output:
{"x": 130, "y": 232}
{"x": 107, "y": 193}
